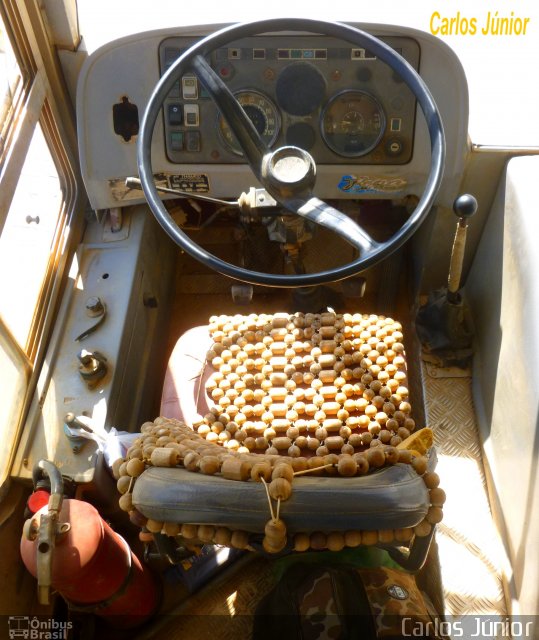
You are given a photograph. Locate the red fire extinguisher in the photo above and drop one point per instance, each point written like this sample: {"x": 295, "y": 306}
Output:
{"x": 68, "y": 546}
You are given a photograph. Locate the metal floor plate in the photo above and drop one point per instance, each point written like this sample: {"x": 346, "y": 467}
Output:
{"x": 472, "y": 557}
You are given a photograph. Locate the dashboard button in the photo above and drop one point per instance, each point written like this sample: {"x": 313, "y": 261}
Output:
{"x": 191, "y": 113}
{"x": 175, "y": 115}
{"x": 394, "y": 147}
{"x": 176, "y": 141}
{"x": 189, "y": 88}
{"x": 192, "y": 141}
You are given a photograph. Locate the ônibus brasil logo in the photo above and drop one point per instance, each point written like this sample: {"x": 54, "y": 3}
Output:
{"x": 32, "y": 628}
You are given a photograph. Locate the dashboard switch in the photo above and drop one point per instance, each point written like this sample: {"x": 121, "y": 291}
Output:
{"x": 189, "y": 88}
{"x": 191, "y": 113}
{"x": 192, "y": 141}
{"x": 176, "y": 141}
{"x": 175, "y": 115}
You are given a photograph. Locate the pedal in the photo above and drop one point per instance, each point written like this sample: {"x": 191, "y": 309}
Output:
{"x": 242, "y": 294}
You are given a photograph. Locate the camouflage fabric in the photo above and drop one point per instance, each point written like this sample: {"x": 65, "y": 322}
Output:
{"x": 397, "y": 604}
{"x": 318, "y": 608}
{"x": 341, "y": 603}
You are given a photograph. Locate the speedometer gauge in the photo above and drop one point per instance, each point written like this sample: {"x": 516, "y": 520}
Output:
{"x": 353, "y": 123}
{"x": 262, "y": 113}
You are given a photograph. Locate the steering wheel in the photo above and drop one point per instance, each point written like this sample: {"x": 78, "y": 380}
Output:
{"x": 288, "y": 174}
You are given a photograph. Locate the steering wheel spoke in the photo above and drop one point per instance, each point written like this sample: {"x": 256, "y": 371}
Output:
{"x": 323, "y": 214}
{"x": 248, "y": 138}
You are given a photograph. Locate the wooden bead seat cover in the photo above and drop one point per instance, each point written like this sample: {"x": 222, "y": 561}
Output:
{"x": 247, "y": 383}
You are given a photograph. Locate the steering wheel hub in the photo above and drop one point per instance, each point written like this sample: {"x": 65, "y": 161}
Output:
{"x": 289, "y": 170}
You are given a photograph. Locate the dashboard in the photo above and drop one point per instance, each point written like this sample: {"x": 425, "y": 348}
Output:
{"x": 335, "y": 100}
{"x": 354, "y": 115}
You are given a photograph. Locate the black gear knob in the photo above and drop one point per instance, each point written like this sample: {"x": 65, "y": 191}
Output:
{"x": 465, "y": 206}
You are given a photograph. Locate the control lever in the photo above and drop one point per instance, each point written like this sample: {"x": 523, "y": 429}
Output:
{"x": 464, "y": 207}
{"x": 95, "y": 308}
{"x": 443, "y": 324}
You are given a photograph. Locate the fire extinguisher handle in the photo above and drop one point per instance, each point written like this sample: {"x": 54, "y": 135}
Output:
{"x": 45, "y": 468}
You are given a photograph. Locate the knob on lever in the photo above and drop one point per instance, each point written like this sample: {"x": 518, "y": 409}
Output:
{"x": 464, "y": 207}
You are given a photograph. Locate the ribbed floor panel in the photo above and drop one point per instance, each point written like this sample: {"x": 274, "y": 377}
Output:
{"x": 472, "y": 557}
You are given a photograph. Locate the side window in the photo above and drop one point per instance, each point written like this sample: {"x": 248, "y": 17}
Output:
{"x": 37, "y": 198}
{"x": 27, "y": 240}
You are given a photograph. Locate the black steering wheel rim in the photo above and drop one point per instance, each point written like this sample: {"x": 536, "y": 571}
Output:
{"x": 351, "y": 34}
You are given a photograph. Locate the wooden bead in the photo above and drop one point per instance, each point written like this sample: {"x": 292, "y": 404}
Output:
{"x": 318, "y": 541}
{"x": 420, "y": 465}
{"x": 171, "y": 529}
{"x": 391, "y": 454}
{"x": 431, "y": 480}
{"x": 405, "y": 456}
{"x": 281, "y": 443}
{"x": 283, "y": 470}
{"x": 352, "y": 538}
{"x": 437, "y": 497}
{"x": 334, "y": 443}
{"x": 189, "y": 531}
{"x": 116, "y": 468}
{"x": 205, "y": 532}
{"x": 333, "y": 459}
{"x": 275, "y": 530}
{"x": 294, "y": 451}
{"x": 375, "y": 457}
{"x": 362, "y": 463}
{"x": 145, "y": 536}
{"x": 137, "y": 518}
{"x": 154, "y": 526}
{"x": 369, "y": 538}
{"x": 126, "y": 502}
{"x": 261, "y": 470}
{"x": 386, "y": 536}
{"x": 235, "y": 469}
{"x": 404, "y": 535}
{"x": 190, "y": 461}
{"x": 280, "y": 489}
{"x": 354, "y": 439}
{"x": 222, "y": 536}
{"x": 327, "y": 376}
{"x": 434, "y": 515}
{"x": 164, "y": 457}
{"x": 299, "y": 464}
{"x": 347, "y": 466}
{"x": 314, "y": 463}
{"x": 423, "y": 529}
{"x": 239, "y": 539}
{"x": 348, "y": 449}
{"x": 210, "y": 465}
{"x": 331, "y": 425}
{"x": 335, "y": 541}
{"x": 123, "y": 484}
{"x": 273, "y": 546}
{"x": 302, "y": 542}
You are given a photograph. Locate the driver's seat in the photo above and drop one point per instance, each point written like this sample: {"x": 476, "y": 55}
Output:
{"x": 393, "y": 501}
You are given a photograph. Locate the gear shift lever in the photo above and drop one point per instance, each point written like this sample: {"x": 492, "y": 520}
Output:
{"x": 442, "y": 323}
{"x": 464, "y": 207}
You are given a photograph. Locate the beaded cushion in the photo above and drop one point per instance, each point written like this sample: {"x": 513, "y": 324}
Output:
{"x": 274, "y": 400}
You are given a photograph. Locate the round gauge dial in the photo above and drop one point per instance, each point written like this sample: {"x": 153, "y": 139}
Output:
{"x": 262, "y": 113}
{"x": 352, "y": 124}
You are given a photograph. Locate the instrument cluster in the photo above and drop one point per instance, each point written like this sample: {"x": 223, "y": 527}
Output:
{"x": 333, "y": 99}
